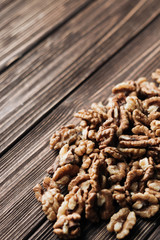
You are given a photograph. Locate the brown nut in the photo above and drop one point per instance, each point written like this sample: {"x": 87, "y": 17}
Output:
{"x": 51, "y": 199}
{"x": 91, "y": 207}
{"x": 139, "y": 118}
{"x": 84, "y": 147}
{"x": 145, "y": 205}
{"x": 73, "y": 202}
{"x": 156, "y": 76}
{"x": 133, "y": 153}
{"x": 63, "y": 174}
{"x": 105, "y": 202}
{"x": 113, "y": 152}
{"x": 105, "y": 136}
{"x": 81, "y": 181}
{"x": 117, "y": 172}
{"x": 66, "y": 135}
{"x": 154, "y": 188}
{"x": 122, "y": 222}
{"x": 68, "y": 227}
{"x": 128, "y": 86}
{"x": 98, "y": 175}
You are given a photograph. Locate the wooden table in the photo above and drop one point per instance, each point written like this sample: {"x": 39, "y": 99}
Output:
{"x": 58, "y": 56}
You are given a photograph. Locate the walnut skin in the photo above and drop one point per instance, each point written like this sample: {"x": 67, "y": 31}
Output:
{"x": 63, "y": 174}
{"x": 66, "y": 135}
{"x": 145, "y": 205}
{"x": 68, "y": 227}
{"x": 105, "y": 202}
{"x": 111, "y": 157}
{"x": 156, "y": 76}
{"x": 122, "y": 222}
{"x": 51, "y": 199}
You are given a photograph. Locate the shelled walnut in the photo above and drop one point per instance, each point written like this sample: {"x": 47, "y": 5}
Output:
{"x": 51, "y": 199}
{"x": 122, "y": 222}
{"x": 112, "y": 157}
{"x": 145, "y": 205}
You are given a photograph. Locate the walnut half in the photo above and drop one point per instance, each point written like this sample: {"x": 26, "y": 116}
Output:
{"x": 122, "y": 222}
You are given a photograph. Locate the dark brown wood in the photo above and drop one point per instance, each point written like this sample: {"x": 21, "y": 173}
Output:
{"x": 24, "y": 165}
{"x": 34, "y": 85}
{"x": 156, "y": 234}
{"x": 24, "y": 23}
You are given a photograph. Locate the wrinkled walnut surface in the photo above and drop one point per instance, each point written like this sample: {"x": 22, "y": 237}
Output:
{"x": 109, "y": 162}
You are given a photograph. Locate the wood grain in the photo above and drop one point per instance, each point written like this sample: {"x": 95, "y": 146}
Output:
{"x": 24, "y": 23}
{"x": 33, "y": 86}
{"x": 156, "y": 234}
{"x": 24, "y": 165}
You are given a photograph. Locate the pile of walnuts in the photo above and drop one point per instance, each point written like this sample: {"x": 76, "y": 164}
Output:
{"x": 109, "y": 163}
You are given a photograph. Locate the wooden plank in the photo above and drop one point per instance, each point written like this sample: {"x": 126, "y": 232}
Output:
{"x": 4, "y": 3}
{"x": 98, "y": 231}
{"x": 24, "y": 23}
{"x": 57, "y": 66}
{"x": 155, "y": 235}
{"x": 24, "y": 165}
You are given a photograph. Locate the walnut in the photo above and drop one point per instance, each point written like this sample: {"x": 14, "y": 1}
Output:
{"x": 140, "y": 118}
{"x": 156, "y": 75}
{"x": 157, "y": 168}
{"x": 154, "y": 116}
{"x": 86, "y": 162}
{"x": 154, "y": 152}
{"x": 121, "y": 195}
{"x": 67, "y": 155}
{"x": 155, "y": 126}
{"x": 117, "y": 172}
{"x": 148, "y": 89}
{"x": 68, "y": 227}
{"x": 140, "y": 142}
{"x": 113, "y": 152}
{"x": 91, "y": 207}
{"x": 122, "y": 222}
{"x": 154, "y": 185}
{"x": 124, "y": 121}
{"x": 98, "y": 174}
{"x": 127, "y": 87}
{"x": 147, "y": 165}
{"x": 87, "y": 133}
{"x": 151, "y": 104}
{"x": 116, "y": 101}
{"x": 84, "y": 147}
{"x": 73, "y": 202}
{"x": 51, "y": 199}
{"x": 63, "y": 174}
{"x": 66, "y": 135}
{"x": 100, "y": 109}
{"x": 91, "y": 117}
{"x": 145, "y": 205}
{"x": 105, "y": 136}
{"x": 142, "y": 130}
{"x": 82, "y": 181}
{"x": 132, "y": 103}
{"x": 133, "y": 153}
{"x": 132, "y": 177}
{"x": 105, "y": 202}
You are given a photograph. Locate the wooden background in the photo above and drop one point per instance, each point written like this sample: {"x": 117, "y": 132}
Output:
{"x": 58, "y": 56}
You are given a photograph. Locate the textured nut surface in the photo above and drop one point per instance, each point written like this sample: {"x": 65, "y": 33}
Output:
{"x": 66, "y": 135}
{"x": 145, "y": 205}
{"x": 68, "y": 227}
{"x": 122, "y": 222}
{"x": 63, "y": 174}
{"x": 51, "y": 199}
{"x": 111, "y": 157}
